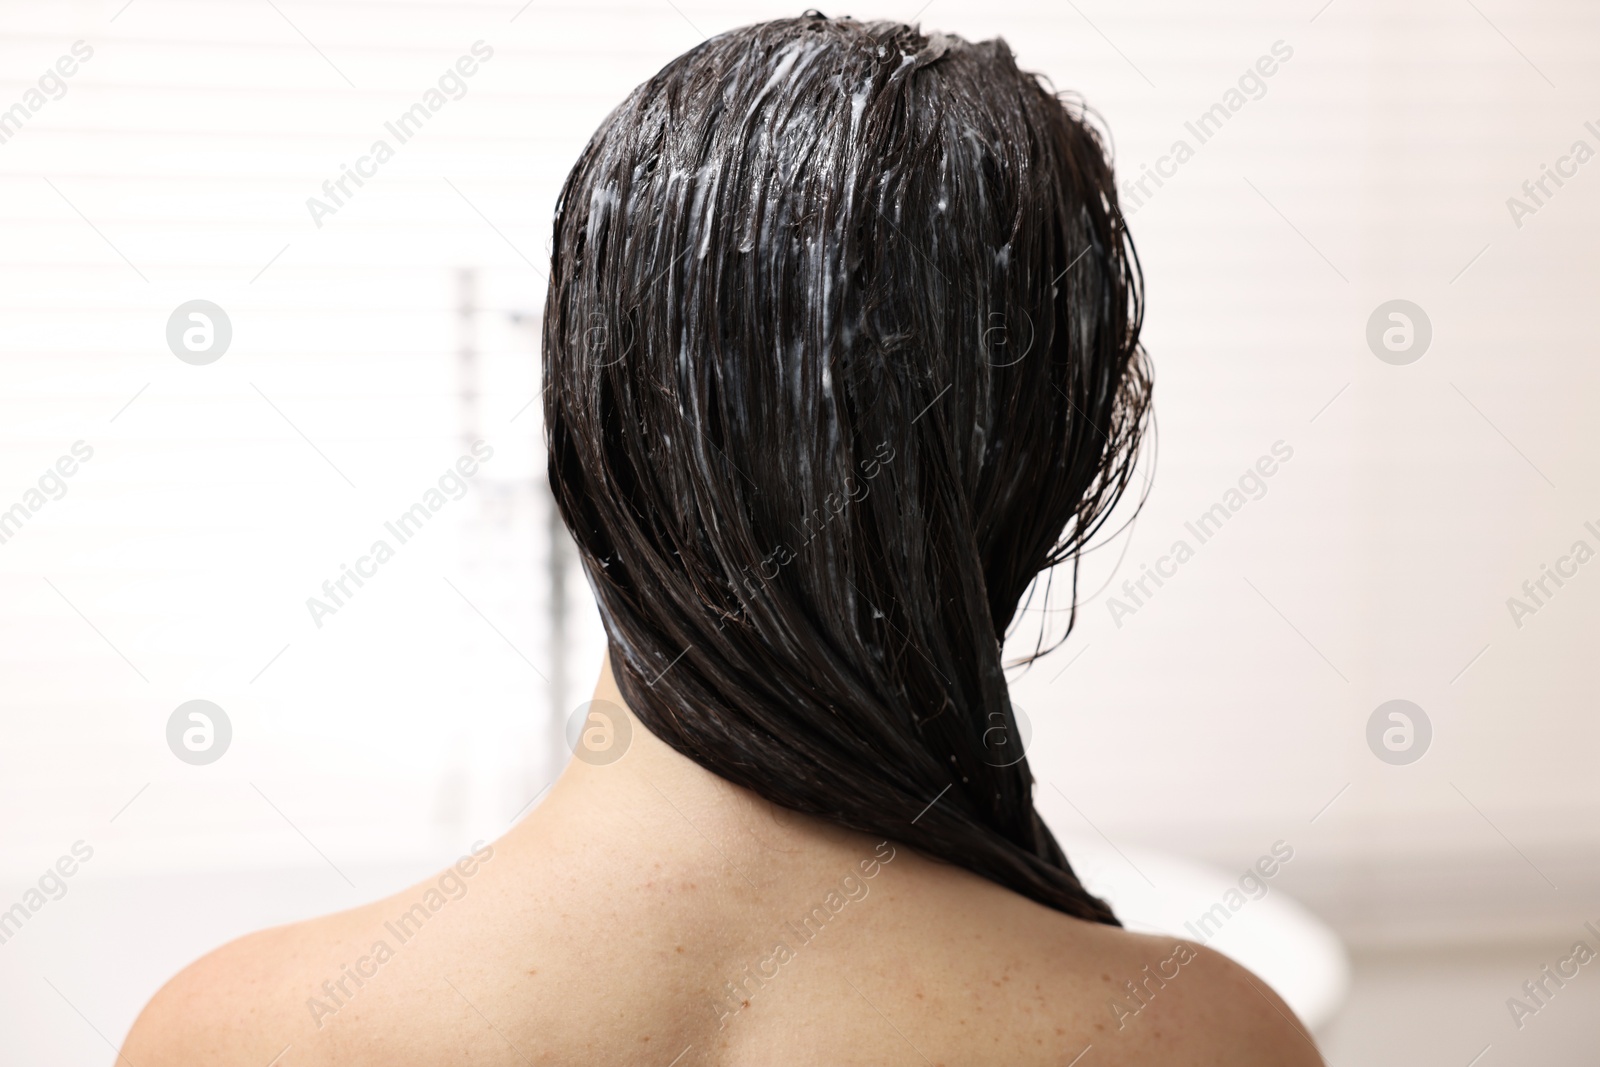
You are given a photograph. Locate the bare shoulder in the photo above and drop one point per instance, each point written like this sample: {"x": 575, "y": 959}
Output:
{"x": 225, "y": 1008}
{"x": 342, "y": 988}
{"x": 1060, "y": 988}
{"x": 1174, "y": 1002}
{"x": 272, "y": 997}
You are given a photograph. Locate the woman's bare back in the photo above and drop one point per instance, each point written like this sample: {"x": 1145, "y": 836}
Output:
{"x": 650, "y": 913}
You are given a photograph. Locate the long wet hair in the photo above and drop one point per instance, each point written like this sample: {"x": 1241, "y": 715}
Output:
{"x": 841, "y": 351}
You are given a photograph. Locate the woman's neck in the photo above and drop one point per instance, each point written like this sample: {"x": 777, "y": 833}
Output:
{"x": 627, "y": 804}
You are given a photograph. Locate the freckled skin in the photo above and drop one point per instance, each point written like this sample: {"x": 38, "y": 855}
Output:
{"x": 567, "y": 954}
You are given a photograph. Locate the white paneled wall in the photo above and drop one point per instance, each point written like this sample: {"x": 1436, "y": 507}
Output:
{"x": 1224, "y": 713}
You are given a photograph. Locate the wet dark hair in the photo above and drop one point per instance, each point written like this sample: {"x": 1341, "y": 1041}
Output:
{"x": 841, "y": 351}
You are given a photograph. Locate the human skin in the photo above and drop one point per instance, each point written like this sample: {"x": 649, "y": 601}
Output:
{"x": 607, "y": 926}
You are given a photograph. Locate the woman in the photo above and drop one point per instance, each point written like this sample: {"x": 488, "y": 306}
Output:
{"x": 841, "y": 351}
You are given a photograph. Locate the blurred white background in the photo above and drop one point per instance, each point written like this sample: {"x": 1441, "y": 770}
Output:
{"x": 1227, "y": 712}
